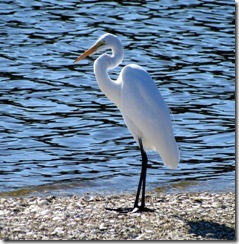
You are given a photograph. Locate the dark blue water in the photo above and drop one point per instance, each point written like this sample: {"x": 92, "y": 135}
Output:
{"x": 58, "y": 132}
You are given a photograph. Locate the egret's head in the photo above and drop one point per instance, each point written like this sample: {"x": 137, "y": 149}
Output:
{"x": 103, "y": 43}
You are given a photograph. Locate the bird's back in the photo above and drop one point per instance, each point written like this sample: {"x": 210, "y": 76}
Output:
{"x": 146, "y": 114}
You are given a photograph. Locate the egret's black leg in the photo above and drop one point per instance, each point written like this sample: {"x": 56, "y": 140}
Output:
{"x": 142, "y": 180}
{"x": 142, "y": 183}
{"x": 144, "y": 168}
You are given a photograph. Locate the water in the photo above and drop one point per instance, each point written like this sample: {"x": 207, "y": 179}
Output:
{"x": 59, "y": 134}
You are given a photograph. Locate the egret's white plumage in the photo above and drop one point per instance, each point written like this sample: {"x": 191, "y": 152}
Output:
{"x": 146, "y": 114}
{"x": 140, "y": 102}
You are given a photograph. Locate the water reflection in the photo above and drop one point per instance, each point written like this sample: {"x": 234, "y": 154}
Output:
{"x": 56, "y": 126}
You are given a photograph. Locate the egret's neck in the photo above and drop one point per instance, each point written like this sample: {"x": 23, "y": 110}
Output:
{"x": 105, "y": 62}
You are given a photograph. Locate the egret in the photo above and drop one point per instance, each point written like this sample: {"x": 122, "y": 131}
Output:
{"x": 144, "y": 111}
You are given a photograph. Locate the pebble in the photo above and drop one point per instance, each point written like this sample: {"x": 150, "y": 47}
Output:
{"x": 187, "y": 216}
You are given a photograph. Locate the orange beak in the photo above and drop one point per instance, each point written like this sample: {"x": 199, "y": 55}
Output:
{"x": 88, "y": 52}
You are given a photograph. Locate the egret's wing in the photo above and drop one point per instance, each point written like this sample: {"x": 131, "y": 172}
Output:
{"x": 146, "y": 114}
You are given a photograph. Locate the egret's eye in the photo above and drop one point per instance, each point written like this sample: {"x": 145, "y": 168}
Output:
{"x": 100, "y": 44}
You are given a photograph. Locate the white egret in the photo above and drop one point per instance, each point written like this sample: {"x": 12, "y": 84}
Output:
{"x": 141, "y": 104}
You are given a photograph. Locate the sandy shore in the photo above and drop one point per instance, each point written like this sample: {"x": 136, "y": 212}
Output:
{"x": 189, "y": 216}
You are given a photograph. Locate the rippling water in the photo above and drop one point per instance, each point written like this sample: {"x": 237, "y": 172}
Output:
{"x": 59, "y": 133}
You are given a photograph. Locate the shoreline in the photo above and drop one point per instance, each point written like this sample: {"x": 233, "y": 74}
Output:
{"x": 175, "y": 216}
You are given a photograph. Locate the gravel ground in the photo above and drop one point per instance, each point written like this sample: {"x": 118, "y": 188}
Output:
{"x": 189, "y": 216}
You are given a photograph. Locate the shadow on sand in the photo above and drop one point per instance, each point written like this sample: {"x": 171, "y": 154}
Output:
{"x": 212, "y": 230}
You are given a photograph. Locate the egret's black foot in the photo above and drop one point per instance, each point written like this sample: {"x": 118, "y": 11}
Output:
{"x": 130, "y": 210}
{"x": 120, "y": 210}
{"x": 141, "y": 209}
